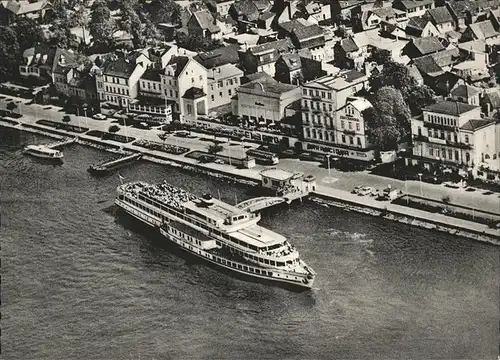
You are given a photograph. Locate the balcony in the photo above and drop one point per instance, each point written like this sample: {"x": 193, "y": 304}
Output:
{"x": 460, "y": 145}
{"x": 349, "y": 132}
{"x": 439, "y": 126}
{"x": 420, "y": 138}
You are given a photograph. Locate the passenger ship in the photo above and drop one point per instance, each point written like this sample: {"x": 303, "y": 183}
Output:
{"x": 215, "y": 231}
{"x": 43, "y": 152}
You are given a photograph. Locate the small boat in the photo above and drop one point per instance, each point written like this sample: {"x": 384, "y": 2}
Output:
{"x": 43, "y": 152}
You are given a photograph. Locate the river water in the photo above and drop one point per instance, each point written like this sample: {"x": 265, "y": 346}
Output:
{"x": 81, "y": 282}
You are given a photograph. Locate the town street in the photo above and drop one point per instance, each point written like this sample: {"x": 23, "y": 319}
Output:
{"x": 330, "y": 178}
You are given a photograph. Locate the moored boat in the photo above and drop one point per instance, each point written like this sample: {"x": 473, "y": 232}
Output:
{"x": 217, "y": 232}
{"x": 43, "y": 152}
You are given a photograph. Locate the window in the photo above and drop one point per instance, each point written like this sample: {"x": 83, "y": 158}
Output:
{"x": 310, "y": 93}
{"x": 350, "y": 125}
{"x": 220, "y": 84}
{"x": 304, "y": 92}
{"x": 330, "y": 107}
{"x": 343, "y": 139}
{"x": 192, "y": 80}
{"x": 467, "y": 157}
{"x": 229, "y": 92}
{"x": 351, "y": 140}
{"x": 342, "y": 124}
{"x": 450, "y": 154}
{"x": 329, "y": 96}
{"x": 189, "y": 109}
{"x": 230, "y": 81}
{"x": 466, "y": 139}
{"x": 212, "y": 97}
{"x": 431, "y": 152}
{"x": 456, "y": 155}
{"x": 359, "y": 141}
{"x": 201, "y": 77}
{"x": 220, "y": 94}
{"x": 357, "y": 127}
{"x": 323, "y": 95}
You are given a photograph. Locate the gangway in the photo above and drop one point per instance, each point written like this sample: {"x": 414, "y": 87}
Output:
{"x": 259, "y": 203}
{"x": 61, "y": 143}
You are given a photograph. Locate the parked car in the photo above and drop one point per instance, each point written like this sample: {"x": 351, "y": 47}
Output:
{"x": 365, "y": 191}
{"x": 219, "y": 161}
{"x": 456, "y": 185}
{"x": 99, "y": 117}
{"x": 181, "y": 133}
{"x": 431, "y": 179}
{"x": 143, "y": 125}
{"x": 356, "y": 189}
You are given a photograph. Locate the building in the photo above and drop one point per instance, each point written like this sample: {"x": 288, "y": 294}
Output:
{"x": 467, "y": 94}
{"x": 118, "y": 80}
{"x": 419, "y": 47}
{"x": 12, "y": 10}
{"x": 77, "y": 81}
{"x": 222, "y": 84}
{"x": 220, "y": 6}
{"x": 203, "y": 24}
{"x": 263, "y": 57}
{"x": 442, "y": 19}
{"x": 180, "y": 75}
{"x": 483, "y": 30}
{"x": 414, "y": 8}
{"x": 42, "y": 60}
{"x": 295, "y": 69}
{"x": 444, "y": 133}
{"x": 328, "y": 129}
{"x": 262, "y": 102}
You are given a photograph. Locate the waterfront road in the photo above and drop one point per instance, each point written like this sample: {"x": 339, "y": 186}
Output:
{"x": 325, "y": 178}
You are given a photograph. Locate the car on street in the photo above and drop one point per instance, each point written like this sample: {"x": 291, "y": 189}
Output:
{"x": 219, "y": 161}
{"x": 143, "y": 125}
{"x": 47, "y": 108}
{"x": 356, "y": 189}
{"x": 470, "y": 189}
{"x": 456, "y": 185}
{"x": 431, "y": 179}
{"x": 99, "y": 117}
{"x": 181, "y": 133}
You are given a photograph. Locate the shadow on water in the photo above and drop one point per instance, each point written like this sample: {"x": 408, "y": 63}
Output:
{"x": 157, "y": 242}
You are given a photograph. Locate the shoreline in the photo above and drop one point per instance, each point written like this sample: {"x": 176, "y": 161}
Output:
{"x": 333, "y": 197}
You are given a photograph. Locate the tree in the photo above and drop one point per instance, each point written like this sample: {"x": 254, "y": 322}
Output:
{"x": 388, "y": 120}
{"x": 381, "y": 56}
{"x": 395, "y": 75}
{"x": 164, "y": 11}
{"x": 11, "y": 106}
{"x": 196, "y": 43}
{"x": 101, "y": 25}
{"x": 419, "y": 97}
{"x": 10, "y": 53}
{"x": 28, "y": 33}
{"x": 215, "y": 148}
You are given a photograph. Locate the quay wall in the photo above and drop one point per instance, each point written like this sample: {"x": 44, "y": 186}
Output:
{"x": 328, "y": 196}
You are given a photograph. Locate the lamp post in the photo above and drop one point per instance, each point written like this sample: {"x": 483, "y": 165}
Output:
{"x": 85, "y": 113}
{"x": 420, "y": 179}
{"x": 78, "y": 115}
{"x": 328, "y": 164}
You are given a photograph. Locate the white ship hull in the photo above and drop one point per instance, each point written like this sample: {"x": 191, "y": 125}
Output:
{"x": 264, "y": 273}
{"x": 42, "y": 155}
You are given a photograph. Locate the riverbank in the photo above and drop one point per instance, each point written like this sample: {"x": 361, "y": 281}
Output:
{"x": 327, "y": 195}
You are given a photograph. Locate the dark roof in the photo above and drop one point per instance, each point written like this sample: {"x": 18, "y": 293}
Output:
{"x": 279, "y": 45}
{"x": 268, "y": 84}
{"x": 256, "y": 76}
{"x": 152, "y": 75}
{"x": 308, "y": 32}
{"x": 48, "y": 57}
{"x": 218, "y": 57}
{"x": 246, "y": 8}
{"x": 446, "y": 57}
{"x": 261, "y": 4}
{"x": 206, "y": 21}
{"x": 180, "y": 63}
{"x": 440, "y": 15}
{"x": 266, "y": 15}
{"x": 427, "y": 45}
{"x": 465, "y": 91}
{"x": 349, "y": 45}
{"x": 193, "y": 93}
{"x": 427, "y": 65}
{"x": 384, "y": 12}
{"x": 454, "y": 108}
{"x": 292, "y": 61}
{"x": 352, "y": 75}
{"x": 483, "y": 30}
{"x": 119, "y": 67}
{"x": 492, "y": 98}
{"x": 475, "y": 124}
{"x": 460, "y": 8}
{"x": 290, "y": 26}
{"x": 417, "y": 22}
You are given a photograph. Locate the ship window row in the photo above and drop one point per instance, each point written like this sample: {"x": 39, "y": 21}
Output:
{"x": 185, "y": 236}
{"x": 242, "y": 267}
{"x": 267, "y": 261}
{"x": 145, "y": 208}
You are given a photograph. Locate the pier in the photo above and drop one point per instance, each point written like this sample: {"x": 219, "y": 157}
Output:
{"x": 63, "y": 142}
{"x": 113, "y": 164}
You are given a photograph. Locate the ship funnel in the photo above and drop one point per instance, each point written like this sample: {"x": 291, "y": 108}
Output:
{"x": 207, "y": 200}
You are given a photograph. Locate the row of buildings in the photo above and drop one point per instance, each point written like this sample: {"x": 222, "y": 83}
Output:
{"x": 294, "y": 72}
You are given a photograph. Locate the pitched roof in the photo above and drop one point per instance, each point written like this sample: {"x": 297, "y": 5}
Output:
{"x": 349, "y": 45}
{"x": 440, "y": 15}
{"x": 206, "y": 21}
{"x": 280, "y": 45}
{"x": 411, "y": 4}
{"x": 427, "y": 45}
{"x": 475, "y": 124}
{"x": 383, "y": 12}
{"x": 48, "y": 57}
{"x": 292, "y": 61}
{"x": 460, "y": 8}
{"x": 465, "y": 91}
{"x": 193, "y": 93}
{"x": 179, "y": 63}
{"x": 268, "y": 84}
{"x": 359, "y": 103}
{"x": 427, "y": 65}
{"x": 492, "y": 98}
{"x": 219, "y": 56}
{"x": 24, "y": 6}
{"x": 152, "y": 75}
{"x": 454, "y": 108}
{"x": 308, "y": 32}
{"x": 246, "y": 8}
{"x": 483, "y": 30}
{"x": 417, "y": 22}
{"x": 119, "y": 67}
